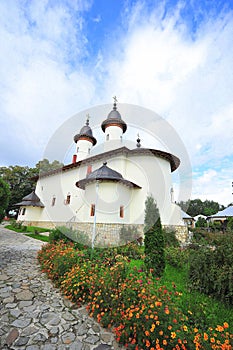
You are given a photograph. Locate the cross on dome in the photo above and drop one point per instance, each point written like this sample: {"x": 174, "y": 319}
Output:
{"x": 115, "y": 102}
{"x": 88, "y": 119}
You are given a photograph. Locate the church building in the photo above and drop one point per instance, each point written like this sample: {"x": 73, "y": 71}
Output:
{"x": 99, "y": 193}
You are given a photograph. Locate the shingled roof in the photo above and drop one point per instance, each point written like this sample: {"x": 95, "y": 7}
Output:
{"x": 31, "y": 200}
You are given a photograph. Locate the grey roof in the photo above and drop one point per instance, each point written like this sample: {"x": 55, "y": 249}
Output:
{"x": 104, "y": 173}
{"x": 226, "y": 212}
{"x": 85, "y": 132}
{"x": 31, "y": 200}
{"x": 185, "y": 215}
{"x": 114, "y": 118}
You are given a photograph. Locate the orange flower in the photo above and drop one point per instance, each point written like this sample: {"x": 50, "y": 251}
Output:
{"x": 147, "y": 343}
{"x": 212, "y": 340}
{"x": 225, "y": 325}
{"x": 173, "y": 335}
{"x": 160, "y": 332}
{"x": 195, "y": 330}
{"x": 205, "y": 336}
{"x": 219, "y": 328}
{"x": 147, "y": 333}
{"x": 164, "y": 342}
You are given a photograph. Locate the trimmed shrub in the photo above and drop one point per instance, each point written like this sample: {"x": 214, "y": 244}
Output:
{"x": 154, "y": 240}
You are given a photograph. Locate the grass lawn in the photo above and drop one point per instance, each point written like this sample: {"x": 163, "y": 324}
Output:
{"x": 33, "y": 231}
{"x": 25, "y": 229}
{"x": 39, "y": 237}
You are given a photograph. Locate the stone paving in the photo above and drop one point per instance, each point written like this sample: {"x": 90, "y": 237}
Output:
{"x": 33, "y": 314}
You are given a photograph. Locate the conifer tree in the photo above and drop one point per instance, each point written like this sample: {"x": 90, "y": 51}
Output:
{"x": 154, "y": 239}
{"x": 4, "y": 197}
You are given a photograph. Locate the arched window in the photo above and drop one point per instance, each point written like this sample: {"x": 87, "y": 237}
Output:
{"x": 121, "y": 211}
{"x": 92, "y": 210}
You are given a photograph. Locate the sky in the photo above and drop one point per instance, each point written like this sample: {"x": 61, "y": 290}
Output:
{"x": 61, "y": 57}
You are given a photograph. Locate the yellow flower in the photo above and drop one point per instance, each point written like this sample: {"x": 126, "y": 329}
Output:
{"x": 173, "y": 335}
{"x": 185, "y": 328}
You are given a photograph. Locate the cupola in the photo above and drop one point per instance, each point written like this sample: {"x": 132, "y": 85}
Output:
{"x": 85, "y": 141}
{"x": 114, "y": 126}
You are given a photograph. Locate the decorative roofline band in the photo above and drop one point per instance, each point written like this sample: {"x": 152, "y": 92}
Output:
{"x": 173, "y": 160}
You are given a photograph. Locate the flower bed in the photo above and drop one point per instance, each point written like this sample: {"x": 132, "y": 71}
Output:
{"x": 141, "y": 312}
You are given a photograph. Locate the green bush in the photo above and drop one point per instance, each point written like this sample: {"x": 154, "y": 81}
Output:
{"x": 56, "y": 235}
{"x": 211, "y": 270}
{"x": 67, "y": 234}
{"x": 128, "y": 234}
{"x": 176, "y": 257}
{"x": 170, "y": 238}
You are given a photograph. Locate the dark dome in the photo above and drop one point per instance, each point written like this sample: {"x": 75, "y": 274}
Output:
{"x": 104, "y": 173}
{"x": 114, "y": 119}
{"x": 85, "y": 134}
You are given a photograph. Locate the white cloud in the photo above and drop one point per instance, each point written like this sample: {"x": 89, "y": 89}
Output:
{"x": 42, "y": 79}
{"x": 185, "y": 77}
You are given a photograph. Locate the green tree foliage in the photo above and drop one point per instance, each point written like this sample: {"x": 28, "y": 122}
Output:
{"x": 4, "y": 197}
{"x": 197, "y": 206}
{"x": 154, "y": 239}
{"x": 43, "y": 166}
{"x": 201, "y": 222}
{"x": 20, "y": 181}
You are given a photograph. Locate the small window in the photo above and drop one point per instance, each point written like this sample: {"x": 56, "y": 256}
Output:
{"x": 121, "y": 211}
{"x": 89, "y": 150}
{"x": 107, "y": 137}
{"x": 89, "y": 169}
{"x": 24, "y": 211}
{"x": 53, "y": 201}
{"x": 92, "y": 210}
{"x": 19, "y": 211}
{"x": 77, "y": 149}
{"x": 68, "y": 199}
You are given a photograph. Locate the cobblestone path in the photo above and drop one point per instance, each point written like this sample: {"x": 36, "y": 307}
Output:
{"x": 33, "y": 314}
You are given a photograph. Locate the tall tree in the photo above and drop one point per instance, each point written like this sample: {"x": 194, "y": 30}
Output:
{"x": 4, "y": 197}
{"x": 154, "y": 239}
{"x": 44, "y": 165}
{"x": 20, "y": 181}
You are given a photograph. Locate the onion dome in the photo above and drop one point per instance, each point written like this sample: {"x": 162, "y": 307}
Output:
{"x": 104, "y": 173}
{"x": 85, "y": 134}
{"x": 31, "y": 200}
{"x": 114, "y": 119}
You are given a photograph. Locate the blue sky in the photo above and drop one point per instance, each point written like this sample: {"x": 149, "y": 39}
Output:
{"x": 173, "y": 57}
